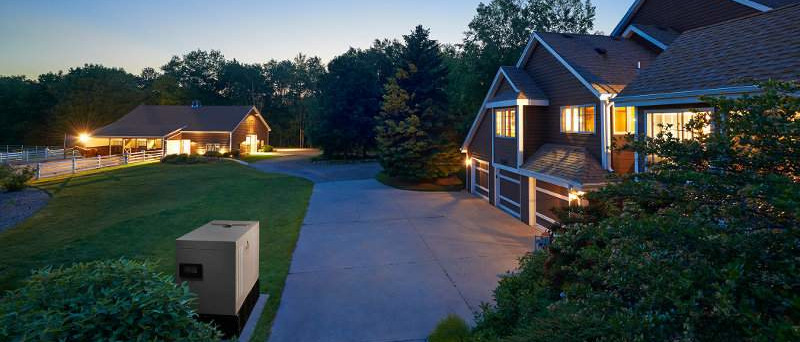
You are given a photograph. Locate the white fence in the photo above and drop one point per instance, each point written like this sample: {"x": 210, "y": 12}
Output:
{"x": 34, "y": 154}
{"x": 75, "y": 165}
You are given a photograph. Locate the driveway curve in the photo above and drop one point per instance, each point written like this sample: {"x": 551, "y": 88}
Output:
{"x": 374, "y": 263}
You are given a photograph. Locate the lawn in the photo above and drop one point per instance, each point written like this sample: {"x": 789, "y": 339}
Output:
{"x": 137, "y": 212}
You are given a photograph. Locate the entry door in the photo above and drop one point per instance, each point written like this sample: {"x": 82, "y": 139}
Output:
{"x": 186, "y": 146}
{"x": 252, "y": 141}
{"x": 173, "y": 147}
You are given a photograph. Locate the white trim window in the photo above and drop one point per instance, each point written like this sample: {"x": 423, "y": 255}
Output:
{"x": 673, "y": 122}
{"x": 578, "y": 119}
{"x": 505, "y": 124}
{"x": 624, "y": 120}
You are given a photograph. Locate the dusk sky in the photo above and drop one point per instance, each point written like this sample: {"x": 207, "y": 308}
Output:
{"x": 38, "y": 36}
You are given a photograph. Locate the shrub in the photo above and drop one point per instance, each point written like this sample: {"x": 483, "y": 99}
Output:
{"x": 450, "y": 329}
{"x": 15, "y": 180}
{"x": 232, "y": 154}
{"x": 101, "y": 301}
{"x": 212, "y": 154}
{"x": 266, "y": 148}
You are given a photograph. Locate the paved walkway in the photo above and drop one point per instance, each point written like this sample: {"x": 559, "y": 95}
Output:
{"x": 375, "y": 263}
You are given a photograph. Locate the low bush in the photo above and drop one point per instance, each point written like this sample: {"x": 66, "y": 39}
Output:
{"x": 450, "y": 329}
{"x": 15, "y": 179}
{"x": 266, "y": 148}
{"x": 212, "y": 154}
{"x": 101, "y": 301}
{"x": 232, "y": 154}
{"x": 184, "y": 159}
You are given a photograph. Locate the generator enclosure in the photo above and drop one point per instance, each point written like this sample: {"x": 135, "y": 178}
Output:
{"x": 219, "y": 262}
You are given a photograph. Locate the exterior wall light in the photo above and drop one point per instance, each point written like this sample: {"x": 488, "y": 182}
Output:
{"x": 83, "y": 137}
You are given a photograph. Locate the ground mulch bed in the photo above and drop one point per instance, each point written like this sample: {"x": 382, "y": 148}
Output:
{"x": 17, "y": 206}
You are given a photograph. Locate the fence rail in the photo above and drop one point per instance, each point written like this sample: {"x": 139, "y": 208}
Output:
{"x": 34, "y": 154}
{"x": 75, "y": 164}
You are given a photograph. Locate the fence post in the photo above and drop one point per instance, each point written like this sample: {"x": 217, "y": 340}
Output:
{"x": 38, "y": 170}
{"x": 99, "y": 163}
{"x": 125, "y": 158}
{"x": 73, "y": 164}
{"x": 26, "y": 155}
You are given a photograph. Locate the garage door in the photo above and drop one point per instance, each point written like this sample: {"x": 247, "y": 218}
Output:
{"x": 508, "y": 194}
{"x": 549, "y": 197}
{"x": 480, "y": 178}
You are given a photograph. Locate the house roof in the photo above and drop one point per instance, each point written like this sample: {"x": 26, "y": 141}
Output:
{"x": 760, "y": 5}
{"x": 522, "y": 81}
{"x": 607, "y": 64}
{"x": 664, "y": 35}
{"x": 571, "y": 163}
{"x": 724, "y": 55}
{"x": 158, "y": 121}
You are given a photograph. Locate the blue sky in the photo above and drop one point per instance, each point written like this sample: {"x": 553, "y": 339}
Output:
{"x": 38, "y": 36}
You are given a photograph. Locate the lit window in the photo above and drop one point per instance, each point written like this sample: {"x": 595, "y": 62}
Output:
{"x": 673, "y": 123}
{"x": 505, "y": 124}
{"x": 577, "y": 119}
{"x": 624, "y": 120}
{"x": 213, "y": 147}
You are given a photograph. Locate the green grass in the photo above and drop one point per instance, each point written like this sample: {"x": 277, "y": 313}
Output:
{"x": 252, "y": 158}
{"x": 415, "y": 185}
{"x": 137, "y": 212}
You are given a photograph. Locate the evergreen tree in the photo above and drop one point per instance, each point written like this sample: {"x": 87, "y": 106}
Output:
{"x": 423, "y": 116}
{"x": 403, "y": 145}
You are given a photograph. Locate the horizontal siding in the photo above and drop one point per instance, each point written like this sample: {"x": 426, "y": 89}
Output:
{"x": 199, "y": 140}
{"x": 562, "y": 89}
{"x": 505, "y": 151}
{"x": 481, "y": 144}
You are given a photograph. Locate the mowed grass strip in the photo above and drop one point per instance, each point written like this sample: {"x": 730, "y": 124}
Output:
{"x": 138, "y": 212}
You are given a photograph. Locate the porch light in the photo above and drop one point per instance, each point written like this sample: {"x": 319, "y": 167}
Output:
{"x": 468, "y": 161}
{"x": 83, "y": 137}
{"x": 575, "y": 195}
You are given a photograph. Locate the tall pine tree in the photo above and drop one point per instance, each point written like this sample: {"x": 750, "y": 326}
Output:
{"x": 415, "y": 132}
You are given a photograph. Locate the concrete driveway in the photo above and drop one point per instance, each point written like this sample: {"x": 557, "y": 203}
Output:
{"x": 374, "y": 263}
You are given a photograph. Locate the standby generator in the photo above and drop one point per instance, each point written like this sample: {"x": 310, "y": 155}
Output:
{"x": 219, "y": 262}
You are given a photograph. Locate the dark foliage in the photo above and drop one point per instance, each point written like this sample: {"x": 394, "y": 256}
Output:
{"x": 101, "y": 301}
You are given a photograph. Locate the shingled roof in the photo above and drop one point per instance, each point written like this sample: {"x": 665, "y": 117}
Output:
{"x": 728, "y": 54}
{"x": 571, "y": 163}
{"x": 607, "y": 63}
{"x": 158, "y": 121}
{"x": 664, "y": 35}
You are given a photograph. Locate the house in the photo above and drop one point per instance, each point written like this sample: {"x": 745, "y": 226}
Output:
{"x": 182, "y": 129}
{"x": 544, "y": 132}
{"x": 735, "y": 54}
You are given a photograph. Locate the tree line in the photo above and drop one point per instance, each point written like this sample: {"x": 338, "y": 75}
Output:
{"x": 404, "y": 101}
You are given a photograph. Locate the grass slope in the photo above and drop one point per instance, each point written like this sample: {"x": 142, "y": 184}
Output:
{"x": 137, "y": 212}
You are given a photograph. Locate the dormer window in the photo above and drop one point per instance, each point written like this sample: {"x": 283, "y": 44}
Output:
{"x": 577, "y": 119}
{"x": 505, "y": 122}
